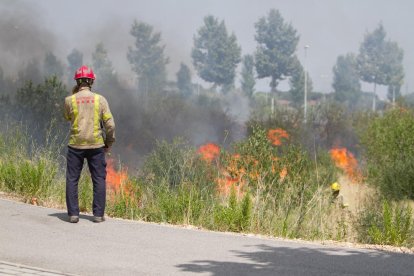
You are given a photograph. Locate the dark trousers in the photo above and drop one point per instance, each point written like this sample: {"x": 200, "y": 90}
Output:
{"x": 97, "y": 168}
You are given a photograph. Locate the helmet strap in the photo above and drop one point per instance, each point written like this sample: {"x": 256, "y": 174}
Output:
{"x": 83, "y": 81}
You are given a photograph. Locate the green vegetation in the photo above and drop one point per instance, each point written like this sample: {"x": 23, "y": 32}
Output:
{"x": 32, "y": 174}
{"x": 268, "y": 183}
{"x": 389, "y": 145}
{"x": 389, "y": 224}
{"x": 275, "y": 180}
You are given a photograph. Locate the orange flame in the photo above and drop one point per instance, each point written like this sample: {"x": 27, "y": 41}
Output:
{"x": 225, "y": 184}
{"x": 209, "y": 152}
{"x": 115, "y": 179}
{"x": 275, "y": 136}
{"x": 346, "y": 161}
{"x": 283, "y": 173}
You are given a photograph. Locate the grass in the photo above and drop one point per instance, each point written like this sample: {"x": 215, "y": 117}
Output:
{"x": 26, "y": 169}
{"x": 258, "y": 186}
{"x": 386, "y": 223}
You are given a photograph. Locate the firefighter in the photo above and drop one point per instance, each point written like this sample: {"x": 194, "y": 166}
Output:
{"x": 91, "y": 136}
{"x": 335, "y": 188}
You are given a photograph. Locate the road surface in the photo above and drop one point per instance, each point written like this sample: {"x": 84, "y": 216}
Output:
{"x": 42, "y": 238}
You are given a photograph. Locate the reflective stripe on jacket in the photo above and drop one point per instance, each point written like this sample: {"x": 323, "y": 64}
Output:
{"x": 86, "y": 111}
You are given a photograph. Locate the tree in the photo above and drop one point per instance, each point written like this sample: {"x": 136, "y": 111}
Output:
{"x": 275, "y": 53}
{"x": 184, "y": 80}
{"x": 380, "y": 61}
{"x": 105, "y": 73}
{"x": 41, "y": 104}
{"x": 75, "y": 60}
{"x": 297, "y": 84}
{"x": 52, "y": 66}
{"x": 248, "y": 80}
{"x": 394, "y": 68}
{"x": 147, "y": 58}
{"x": 5, "y": 93}
{"x": 216, "y": 53}
{"x": 371, "y": 57}
{"x": 30, "y": 72}
{"x": 346, "y": 79}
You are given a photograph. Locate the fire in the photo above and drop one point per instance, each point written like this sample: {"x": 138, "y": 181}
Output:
{"x": 209, "y": 152}
{"x": 275, "y": 136}
{"x": 346, "y": 161}
{"x": 233, "y": 176}
{"x": 226, "y": 183}
{"x": 115, "y": 179}
{"x": 283, "y": 173}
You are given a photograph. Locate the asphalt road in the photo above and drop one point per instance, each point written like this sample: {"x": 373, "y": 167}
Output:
{"x": 41, "y": 237}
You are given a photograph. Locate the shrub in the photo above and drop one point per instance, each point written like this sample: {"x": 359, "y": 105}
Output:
{"x": 285, "y": 182}
{"x": 386, "y": 223}
{"x": 389, "y": 144}
{"x": 185, "y": 204}
{"x": 125, "y": 202}
{"x": 175, "y": 163}
{"x": 26, "y": 169}
{"x": 236, "y": 215}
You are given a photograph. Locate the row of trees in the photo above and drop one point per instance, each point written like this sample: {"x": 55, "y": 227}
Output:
{"x": 216, "y": 55}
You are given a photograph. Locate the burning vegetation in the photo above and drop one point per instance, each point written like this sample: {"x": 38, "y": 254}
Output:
{"x": 115, "y": 179}
{"x": 346, "y": 161}
{"x": 240, "y": 172}
{"x": 274, "y": 179}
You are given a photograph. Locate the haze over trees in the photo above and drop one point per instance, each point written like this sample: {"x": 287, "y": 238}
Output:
{"x": 395, "y": 69}
{"x": 247, "y": 76}
{"x": 75, "y": 60}
{"x": 297, "y": 85}
{"x": 216, "y": 53}
{"x": 346, "y": 84}
{"x": 380, "y": 61}
{"x": 102, "y": 66}
{"x": 216, "y": 56}
{"x": 52, "y": 66}
{"x": 184, "y": 83}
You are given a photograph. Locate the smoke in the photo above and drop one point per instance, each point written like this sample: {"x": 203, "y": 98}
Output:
{"x": 23, "y": 36}
{"x": 141, "y": 118}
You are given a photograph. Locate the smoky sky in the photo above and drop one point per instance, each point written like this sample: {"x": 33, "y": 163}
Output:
{"x": 23, "y": 36}
{"x": 330, "y": 28}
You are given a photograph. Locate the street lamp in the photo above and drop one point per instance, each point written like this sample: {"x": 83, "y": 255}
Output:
{"x": 305, "y": 106}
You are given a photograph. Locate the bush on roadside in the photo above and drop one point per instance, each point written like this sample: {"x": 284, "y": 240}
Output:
{"x": 235, "y": 215}
{"x": 287, "y": 185}
{"x": 389, "y": 145}
{"x": 387, "y": 223}
{"x": 26, "y": 169}
{"x": 176, "y": 163}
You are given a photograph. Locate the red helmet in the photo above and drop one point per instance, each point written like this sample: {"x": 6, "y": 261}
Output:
{"x": 84, "y": 72}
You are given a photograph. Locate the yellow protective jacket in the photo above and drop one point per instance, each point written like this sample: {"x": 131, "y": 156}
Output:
{"x": 88, "y": 112}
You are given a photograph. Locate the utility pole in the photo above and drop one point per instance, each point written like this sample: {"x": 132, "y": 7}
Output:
{"x": 393, "y": 96}
{"x": 305, "y": 100}
{"x": 374, "y": 95}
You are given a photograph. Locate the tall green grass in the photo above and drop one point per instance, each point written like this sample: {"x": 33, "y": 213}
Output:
{"x": 279, "y": 190}
{"x": 387, "y": 223}
{"x": 27, "y": 169}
